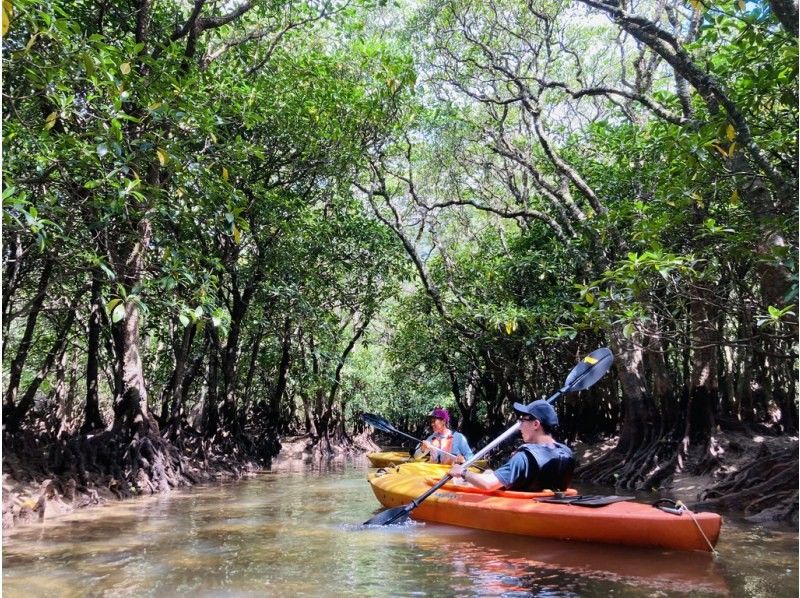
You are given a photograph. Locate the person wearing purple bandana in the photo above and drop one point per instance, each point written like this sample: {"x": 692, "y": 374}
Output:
{"x": 443, "y": 440}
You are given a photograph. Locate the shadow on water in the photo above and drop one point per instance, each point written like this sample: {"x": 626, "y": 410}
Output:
{"x": 297, "y": 532}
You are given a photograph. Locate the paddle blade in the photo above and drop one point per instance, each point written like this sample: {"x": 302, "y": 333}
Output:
{"x": 378, "y": 422}
{"x": 593, "y": 367}
{"x": 392, "y": 516}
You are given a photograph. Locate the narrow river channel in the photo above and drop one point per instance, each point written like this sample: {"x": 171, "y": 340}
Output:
{"x": 298, "y": 533}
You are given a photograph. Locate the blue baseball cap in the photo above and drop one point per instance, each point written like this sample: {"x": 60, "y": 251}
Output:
{"x": 541, "y": 410}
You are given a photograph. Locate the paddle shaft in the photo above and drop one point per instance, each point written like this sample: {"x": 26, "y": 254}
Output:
{"x": 417, "y": 440}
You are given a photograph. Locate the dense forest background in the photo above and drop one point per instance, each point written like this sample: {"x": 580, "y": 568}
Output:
{"x": 226, "y": 222}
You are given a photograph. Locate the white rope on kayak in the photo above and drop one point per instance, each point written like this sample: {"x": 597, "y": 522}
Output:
{"x": 683, "y": 507}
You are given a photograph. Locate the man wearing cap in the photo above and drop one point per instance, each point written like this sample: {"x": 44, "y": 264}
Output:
{"x": 539, "y": 464}
{"x": 443, "y": 441}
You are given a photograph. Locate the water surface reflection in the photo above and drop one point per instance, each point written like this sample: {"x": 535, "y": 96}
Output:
{"x": 298, "y": 533}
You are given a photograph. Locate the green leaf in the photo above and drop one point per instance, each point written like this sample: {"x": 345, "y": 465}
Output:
{"x": 163, "y": 158}
{"x": 88, "y": 64}
{"x": 118, "y": 313}
{"x": 50, "y": 121}
{"x": 6, "y": 15}
{"x": 111, "y": 304}
{"x": 109, "y": 272}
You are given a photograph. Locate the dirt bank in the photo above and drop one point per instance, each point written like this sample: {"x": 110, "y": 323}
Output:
{"x": 32, "y": 493}
{"x": 752, "y": 474}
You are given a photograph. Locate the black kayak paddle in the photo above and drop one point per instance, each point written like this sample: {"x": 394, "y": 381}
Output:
{"x": 590, "y": 369}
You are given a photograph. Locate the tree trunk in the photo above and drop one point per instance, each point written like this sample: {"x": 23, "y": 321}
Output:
{"x": 255, "y": 350}
{"x": 337, "y": 376}
{"x": 15, "y": 372}
{"x": 318, "y": 405}
{"x": 730, "y": 360}
{"x": 308, "y": 415}
{"x": 662, "y": 382}
{"x": 786, "y": 12}
{"x": 72, "y": 388}
{"x": 190, "y": 377}
{"x": 130, "y": 407}
{"x": 283, "y": 370}
{"x": 16, "y": 414}
{"x": 210, "y": 406}
{"x": 64, "y": 393}
{"x": 704, "y": 375}
{"x": 230, "y": 361}
{"x": 11, "y": 278}
{"x": 179, "y": 375}
{"x": 639, "y": 413}
{"x": 92, "y": 419}
{"x": 131, "y": 412}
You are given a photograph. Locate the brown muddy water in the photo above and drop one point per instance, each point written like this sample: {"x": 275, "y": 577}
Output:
{"x": 299, "y": 533}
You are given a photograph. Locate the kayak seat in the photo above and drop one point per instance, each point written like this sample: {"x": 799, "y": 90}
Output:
{"x": 587, "y": 500}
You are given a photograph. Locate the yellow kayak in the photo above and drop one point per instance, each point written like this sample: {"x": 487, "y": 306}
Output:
{"x": 526, "y": 513}
{"x": 391, "y": 458}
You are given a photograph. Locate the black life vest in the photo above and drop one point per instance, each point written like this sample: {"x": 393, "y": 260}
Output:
{"x": 555, "y": 464}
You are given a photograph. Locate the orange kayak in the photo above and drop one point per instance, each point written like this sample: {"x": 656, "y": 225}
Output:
{"x": 623, "y": 523}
